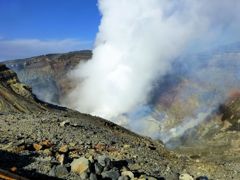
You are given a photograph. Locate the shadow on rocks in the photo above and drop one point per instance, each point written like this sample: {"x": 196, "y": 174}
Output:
{"x": 9, "y": 160}
{"x": 120, "y": 164}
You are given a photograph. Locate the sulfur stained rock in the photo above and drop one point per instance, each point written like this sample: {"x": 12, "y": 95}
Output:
{"x": 60, "y": 158}
{"x": 80, "y": 165}
{"x": 63, "y": 149}
{"x": 46, "y": 143}
{"x": 37, "y": 147}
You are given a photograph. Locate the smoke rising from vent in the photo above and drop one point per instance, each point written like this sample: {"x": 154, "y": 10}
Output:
{"x": 137, "y": 42}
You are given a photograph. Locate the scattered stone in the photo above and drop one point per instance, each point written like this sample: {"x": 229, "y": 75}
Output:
{"x": 142, "y": 177}
{"x": 74, "y": 154}
{"x": 60, "y": 158}
{"x": 46, "y": 144}
{"x": 37, "y": 147}
{"x": 13, "y": 169}
{"x": 91, "y": 159}
{"x": 52, "y": 172}
{"x": 112, "y": 174}
{"x": 61, "y": 171}
{"x": 20, "y": 142}
{"x": 58, "y": 171}
{"x": 126, "y": 146}
{"x": 93, "y": 176}
{"x": 47, "y": 152}
{"x": 128, "y": 174}
{"x": 104, "y": 161}
{"x": 80, "y": 165}
{"x": 98, "y": 168}
{"x": 63, "y": 149}
{"x": 100, "y": 147}
{"x": 185, "y": 177}
{"x": 72, "y": 144}
{"x": 64, "y": 123}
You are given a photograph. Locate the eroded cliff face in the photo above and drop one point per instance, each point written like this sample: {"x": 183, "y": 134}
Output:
{"x": 48, "y": 74}
{"x": 16, "y": 96}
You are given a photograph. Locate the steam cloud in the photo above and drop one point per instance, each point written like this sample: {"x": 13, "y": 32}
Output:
{"x": 137, "y": 42}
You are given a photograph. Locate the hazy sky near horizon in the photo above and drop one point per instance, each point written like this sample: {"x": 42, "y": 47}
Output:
{"x": 29, "y": 28}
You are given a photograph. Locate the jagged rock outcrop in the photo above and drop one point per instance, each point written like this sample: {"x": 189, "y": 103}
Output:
{"x": 16, "y": 96}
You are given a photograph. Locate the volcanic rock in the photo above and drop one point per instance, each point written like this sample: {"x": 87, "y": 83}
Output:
{"x": 80, "y": 165}
{"x": 63, "y": 149}
{"x": 112, "y": 174}
{"x": 104, "y": 161}
{"x": 128, "y": 174}
{"x": 185, "y": 177}
{"x": 62, "y": 124}
{"x": 60, "y": 158}
{"x": 93, "y": 176}
{"x": 98, "y": 168}
{"x": 37, "y": 147}
{"x": 59, "y": 171}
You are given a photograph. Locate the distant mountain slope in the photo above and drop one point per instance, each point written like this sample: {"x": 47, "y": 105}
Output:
{"x": 15, "y": 96}
{"x": 47, "y": 74}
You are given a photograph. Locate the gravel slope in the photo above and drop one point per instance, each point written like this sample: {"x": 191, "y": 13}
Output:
{"x": 37, "y": 143}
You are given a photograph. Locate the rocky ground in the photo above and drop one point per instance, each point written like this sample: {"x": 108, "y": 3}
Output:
{"x": 70, "y": 145}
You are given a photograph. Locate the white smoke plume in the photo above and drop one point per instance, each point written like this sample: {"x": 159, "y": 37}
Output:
{"x": 136, "y": 44}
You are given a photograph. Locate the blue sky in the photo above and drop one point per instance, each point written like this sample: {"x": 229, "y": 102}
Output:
{"x": 34, "y": 27}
